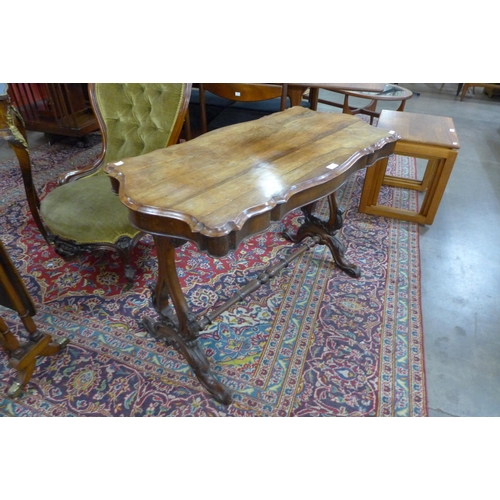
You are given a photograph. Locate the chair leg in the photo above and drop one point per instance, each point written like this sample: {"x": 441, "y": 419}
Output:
{"x": 203, "y": 110}
{"x": 126, "y": 246}
{"x": 465, "y": 88}
{"x": 187, "y": 127}
{"x": 313, "y": 98}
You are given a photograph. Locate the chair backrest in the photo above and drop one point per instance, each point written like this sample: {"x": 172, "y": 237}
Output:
{"x": 241, "y": 92}
{"x": 137, "y": 118}
{"x": 134, "y": 119}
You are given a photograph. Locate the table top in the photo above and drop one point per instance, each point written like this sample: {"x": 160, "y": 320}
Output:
{"x": 354, "y": 87}
{"x": 389, "y": 92}
{"x": 238, "y": 178}
{"x": 421, "y": 129}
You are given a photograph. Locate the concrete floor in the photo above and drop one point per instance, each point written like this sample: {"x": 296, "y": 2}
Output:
{"x": 460, "y": 259}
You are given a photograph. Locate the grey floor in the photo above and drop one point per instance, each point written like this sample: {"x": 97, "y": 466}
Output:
{"x": 460, "y": 259}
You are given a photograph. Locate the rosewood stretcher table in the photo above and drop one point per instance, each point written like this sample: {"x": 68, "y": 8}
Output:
{"x": 231, "y": 183}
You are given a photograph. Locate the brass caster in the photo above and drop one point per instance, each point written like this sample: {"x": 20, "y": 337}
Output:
{"x": 15, "y": 390}
{"x": 62, "y": 341}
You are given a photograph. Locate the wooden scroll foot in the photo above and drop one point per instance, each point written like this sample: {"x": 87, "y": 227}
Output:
{"x": 325, "y": 231}
{"x": 177, "y": 325}
{"x": 335, "y": 246}
{"x": 23, "y": 358}
{"x": 166, "y": 330}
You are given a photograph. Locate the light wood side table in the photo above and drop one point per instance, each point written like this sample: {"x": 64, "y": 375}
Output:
{"x": 430, "y": 137}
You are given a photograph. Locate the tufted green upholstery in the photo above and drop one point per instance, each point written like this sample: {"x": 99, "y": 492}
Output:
{"x": 135, "y": 119}
{"x": 139, "y": 117}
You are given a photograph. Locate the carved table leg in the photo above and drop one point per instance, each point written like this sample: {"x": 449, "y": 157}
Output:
{"x": 23, "y": 356}
{"x": 326, "y": 230}
{"x": 179, "y": 327}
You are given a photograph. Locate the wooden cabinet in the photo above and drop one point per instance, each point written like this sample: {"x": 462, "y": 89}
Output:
{"x": 54, "y": 108}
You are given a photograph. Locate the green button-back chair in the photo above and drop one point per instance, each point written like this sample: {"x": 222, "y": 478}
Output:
{"x": 83, "y": 214}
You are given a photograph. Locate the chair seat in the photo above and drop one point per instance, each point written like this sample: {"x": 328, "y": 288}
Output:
{"x": 87, "y": 211}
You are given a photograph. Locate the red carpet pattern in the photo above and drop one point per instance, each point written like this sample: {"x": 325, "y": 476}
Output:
{"x": 312, "y": 342}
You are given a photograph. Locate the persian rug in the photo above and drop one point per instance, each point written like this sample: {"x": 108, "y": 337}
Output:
{"x": 312, "y": 342}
